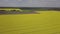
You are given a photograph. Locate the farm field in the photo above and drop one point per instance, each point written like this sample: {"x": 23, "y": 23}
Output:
{"x": 47, "y": 22}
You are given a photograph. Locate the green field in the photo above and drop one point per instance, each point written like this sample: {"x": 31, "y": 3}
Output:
{"x": 47, "y": 22}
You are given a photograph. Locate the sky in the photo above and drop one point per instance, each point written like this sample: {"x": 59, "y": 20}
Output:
{"x": 29, "y": 3}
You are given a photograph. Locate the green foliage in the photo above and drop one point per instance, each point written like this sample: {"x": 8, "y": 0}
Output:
{"x": 26, "y": 10}
{"x": 10, "y": 9}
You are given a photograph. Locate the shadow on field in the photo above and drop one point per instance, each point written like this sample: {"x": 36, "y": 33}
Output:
{"x": 16, "y": 12}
